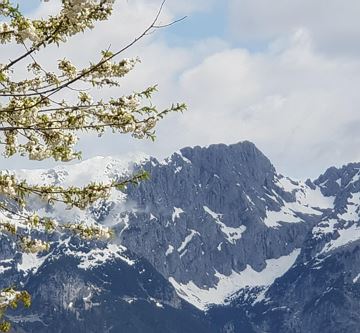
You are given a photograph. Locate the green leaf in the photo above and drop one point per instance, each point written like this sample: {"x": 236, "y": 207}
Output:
{"x": 2, "y": 77}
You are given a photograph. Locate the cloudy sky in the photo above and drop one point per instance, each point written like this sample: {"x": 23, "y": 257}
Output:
{"x": 283, "y": 74}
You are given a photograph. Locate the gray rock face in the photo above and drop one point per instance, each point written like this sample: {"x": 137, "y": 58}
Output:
{"x": 321, "y": 291}
{"x": 74, "y": 292}
{"x": 219, "y": 197}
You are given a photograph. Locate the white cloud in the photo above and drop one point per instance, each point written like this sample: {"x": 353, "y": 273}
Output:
{"x": 297, "y": 105}
{"x": 297, "y": 102}
{"x": 186, "y": 7}
{"x": 335, "y": 24}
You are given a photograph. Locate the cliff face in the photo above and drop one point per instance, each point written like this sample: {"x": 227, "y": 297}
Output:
{"x": 321, "y": 291}
{"x": 216, "y": 227}
{"x": 80, "y": 289}
{"x": 211, "y": 213}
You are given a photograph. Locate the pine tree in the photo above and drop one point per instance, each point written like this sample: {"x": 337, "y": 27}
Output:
{"x": 37, "y": 122}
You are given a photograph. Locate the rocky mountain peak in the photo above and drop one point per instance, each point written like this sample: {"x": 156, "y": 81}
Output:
{"x": 242, "y": 157}
{"x": 335, "y": 179}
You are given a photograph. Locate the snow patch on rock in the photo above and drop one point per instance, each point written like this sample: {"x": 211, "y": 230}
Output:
{"x": 187, "y": 240}
{"x": 98, "y": 257}
{"x": 176, "y": 213}
{"x": 232, "y": 234}
{"x": 346, "y": 236}
{"x": 30, "y": 262}
{"x": 228, "y": 285}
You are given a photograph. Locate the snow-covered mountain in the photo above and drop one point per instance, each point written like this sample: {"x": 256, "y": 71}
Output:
{"x": 217, "y": 227}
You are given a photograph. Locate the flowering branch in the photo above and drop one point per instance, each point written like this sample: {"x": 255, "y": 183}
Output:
{"x": 36, "y": 123}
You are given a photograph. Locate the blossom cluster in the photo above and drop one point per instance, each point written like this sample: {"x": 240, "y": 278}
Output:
{"x": 36, "y": 222}
{"x": 74, "y": 17}
{"x": 106, "y": 69}
{"x": 30, "y": 245}
{"x": 8, "y": 227}
{"x": 90, "y": 232}
{"x": 10, "y": 298}
{"x": 28, "y": 32}
{"x": 8, "y": 184}
{"x": 76, "y": 10}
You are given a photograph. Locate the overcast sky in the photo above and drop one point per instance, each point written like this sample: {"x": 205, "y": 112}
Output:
{"x": 283, "y": 74}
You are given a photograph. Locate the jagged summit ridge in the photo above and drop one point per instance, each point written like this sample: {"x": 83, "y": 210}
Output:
{"x": 242, "y": 157}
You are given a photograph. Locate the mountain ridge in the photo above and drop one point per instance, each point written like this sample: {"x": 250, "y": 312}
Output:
{"x": 229, "y": 235}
